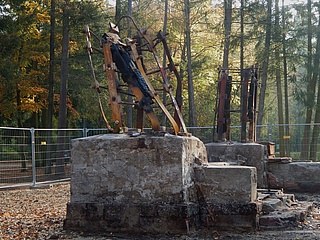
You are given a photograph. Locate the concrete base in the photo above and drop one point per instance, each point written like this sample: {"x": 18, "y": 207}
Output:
{"x": 247, "y": 154}
{"x": 244, "y": 217}
{"x": 134, "y": 184}
{"x": 149, "y": 184}
{"x": 295, "y": 176}
{"x": 227, "y": 196}
{"x": 227, "y": 184}
{"x": 155, "y": 218}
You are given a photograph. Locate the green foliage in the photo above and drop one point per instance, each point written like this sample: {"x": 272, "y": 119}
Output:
{"x": 24, "y": 54}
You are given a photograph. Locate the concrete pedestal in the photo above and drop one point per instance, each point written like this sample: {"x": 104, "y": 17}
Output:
{"x": 229, "y": 195}
{"x": 246, "y": 154}
{"x": 150, "y": 184}
{"x": 134, "y": 184}
{"x": 227, "y": 184}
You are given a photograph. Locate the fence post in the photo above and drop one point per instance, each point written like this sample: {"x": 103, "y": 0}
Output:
{"x": 33, "y": 157}
{"x": 85, "y": 132}
{"x": 269, "y": 132}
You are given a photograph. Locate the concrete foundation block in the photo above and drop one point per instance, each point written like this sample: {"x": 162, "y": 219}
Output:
{"x": 134, "y": 184}
{"x": 160, "y": 218}
{"x": 246, "y": 154}
{"x": 230, "y": 216}
{"x": 295, "y": 176}
{"x": 226, "y": 184}
{"x": 119, "y": 168}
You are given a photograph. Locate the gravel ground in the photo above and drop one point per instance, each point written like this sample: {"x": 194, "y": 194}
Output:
{"x": 39, "y": 214}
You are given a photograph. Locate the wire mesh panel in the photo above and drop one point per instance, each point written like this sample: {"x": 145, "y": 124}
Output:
{"x": 96, "y": 131}
{"x": 52, "y": 153}
{"x": 30, "y": 156}
{"x": 293, "y": 139}
{"x": 15, "y": 156}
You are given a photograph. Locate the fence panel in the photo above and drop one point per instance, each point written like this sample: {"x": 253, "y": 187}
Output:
{"x": 31, "y": 156}
{"x": 292, "y": 139}
{"x": 15, "y": 156}
{"x": 52, "y": 153}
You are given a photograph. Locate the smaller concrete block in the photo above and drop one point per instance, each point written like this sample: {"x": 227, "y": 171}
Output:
{"x": 295, "y": 176}
{"x": 226, "y": 184}
{"x": 244, "y": 154}
{"x": 271, "y": 205}
{"x": 231, "y": 216}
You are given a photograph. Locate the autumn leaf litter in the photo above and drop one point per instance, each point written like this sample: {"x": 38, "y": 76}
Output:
{"x": 38, "y": 213}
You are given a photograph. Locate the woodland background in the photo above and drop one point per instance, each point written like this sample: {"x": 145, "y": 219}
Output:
{"x": 46, "y": 81}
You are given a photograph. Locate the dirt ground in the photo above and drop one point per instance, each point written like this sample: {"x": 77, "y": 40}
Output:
{"x": 39, "y": 213}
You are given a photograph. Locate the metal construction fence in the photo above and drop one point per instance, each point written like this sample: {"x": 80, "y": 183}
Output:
{"x": 268, "y": 133}
{"x": 31, "y": 156}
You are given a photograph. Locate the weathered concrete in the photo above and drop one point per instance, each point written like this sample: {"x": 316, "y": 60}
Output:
{"x": 295, "y": 176}
{"x": 149, "y": 184}
{"x": 110, "y": 168}
{"x": 134, "y": 184}
{"x": 227, "y": 184}
{"x": 227, "y": 196}
{"x": 248, "y": 154}
{"x": 230, "y": 216}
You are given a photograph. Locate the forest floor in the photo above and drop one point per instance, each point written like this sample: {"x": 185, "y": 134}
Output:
{"x": 38, "y": 213}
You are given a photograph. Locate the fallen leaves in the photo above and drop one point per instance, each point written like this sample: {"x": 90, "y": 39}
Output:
{"x": 39, "y": 214}
{"x": 33, "y": 213}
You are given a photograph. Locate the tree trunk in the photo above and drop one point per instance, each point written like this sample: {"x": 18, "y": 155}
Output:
{"x": 305, "y": 146}
{"x": 285, "y": 79}
{"x": 52, "y": 59}
{"x": 192, "y": 109}
{"x": 62, "y": 122}
{"x": 316, "y": 70}
{"x": 129, "y": 107}
{"x": 242, "y": 36}
{"x": 264, "y": 68}
{"x": 227, "y": 32}
{"x": 48, "y": 169}
{"x": 278, "y": 80}
{"x": 164, "y": 63}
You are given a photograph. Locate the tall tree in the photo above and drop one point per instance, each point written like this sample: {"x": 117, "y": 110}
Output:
{"x": 52, "y": 62}
{"x": 192, "y": 110}
{"x": 165, "y": 22}
{"x": 310, "y": 94}
{"x": 227, "y": 32}
{"x": 285, "y": 78}
{"x": 51, "y": 81}
{"x": 129, "y": 107}
{"x": 278, "y": 78}
{"x": 316, "y": 78}
{"x": 62, "y": 122}
{"x": 265, "y": 65}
